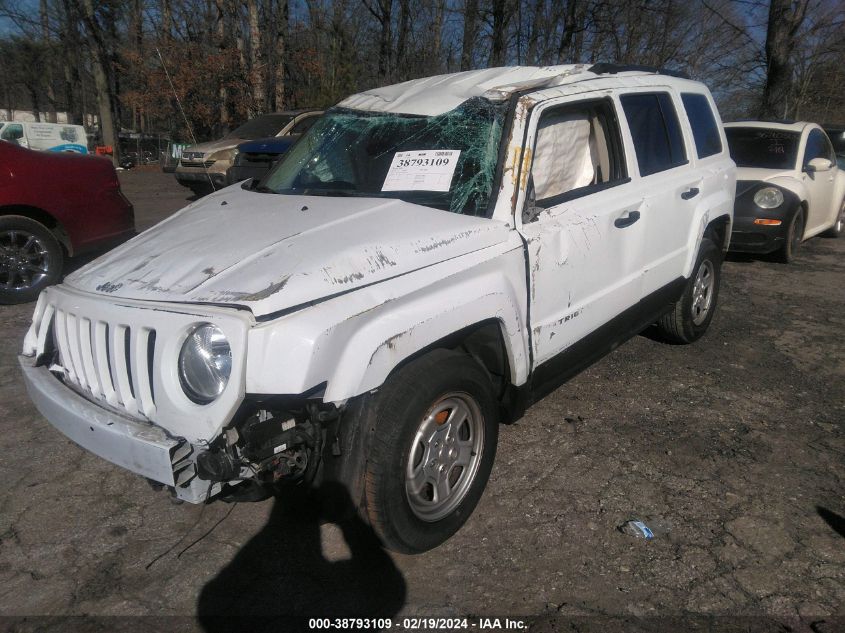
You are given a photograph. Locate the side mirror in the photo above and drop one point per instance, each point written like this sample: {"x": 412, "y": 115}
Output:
{"x": 818, "y": 164}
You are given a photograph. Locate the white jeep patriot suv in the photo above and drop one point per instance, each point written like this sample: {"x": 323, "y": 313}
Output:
{"x": 429, "y": 259}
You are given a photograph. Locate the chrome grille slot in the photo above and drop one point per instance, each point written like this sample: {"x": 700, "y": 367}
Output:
{"x": 87, "y": 353}
{"x": 110, "y": 360}
{"x": 44, "y": 329}
{"x": 120, "y": 368}
{"x": 73, "y": 346}
{"x": 140, "y": 373}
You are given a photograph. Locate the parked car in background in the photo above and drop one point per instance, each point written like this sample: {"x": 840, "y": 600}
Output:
{"x": 255, "y": 158}
{"x": 53, "y": 205}
{"x": 203, "y": 167}
{"x": 54, "y": 137}
{"x": 427, "y": 261}
{"x": 789, "y": 186}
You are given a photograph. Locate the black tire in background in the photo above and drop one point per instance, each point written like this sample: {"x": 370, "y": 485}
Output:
{"x": 407, "y": 406}
{"x": 692, "y": 313}
{"x": 793, "y": 239}
{"x": 30, "y": 259}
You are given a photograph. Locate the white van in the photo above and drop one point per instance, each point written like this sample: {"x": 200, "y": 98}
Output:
{"x": 54, "y": 137}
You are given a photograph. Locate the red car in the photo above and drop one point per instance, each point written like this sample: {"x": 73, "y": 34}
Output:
{"x": 54, "y": 205}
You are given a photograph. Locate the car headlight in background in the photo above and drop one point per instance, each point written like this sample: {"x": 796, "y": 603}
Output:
{"x": 768, "y": 198}
{"x": 205, "y": 363}
{"x": 224, "y": 154}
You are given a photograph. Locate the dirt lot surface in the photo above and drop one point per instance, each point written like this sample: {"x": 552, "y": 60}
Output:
{"x": 737, "y": 443}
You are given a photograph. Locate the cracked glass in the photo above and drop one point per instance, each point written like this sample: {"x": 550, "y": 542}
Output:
{"x": 349, "y": 153}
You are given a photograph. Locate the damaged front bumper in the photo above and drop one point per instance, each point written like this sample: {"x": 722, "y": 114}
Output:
{"x": 140, "y": 447}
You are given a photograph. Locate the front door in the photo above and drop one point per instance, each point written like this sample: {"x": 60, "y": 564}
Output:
{"x": 581, "y": 224}
{"x": 819, "y": 183}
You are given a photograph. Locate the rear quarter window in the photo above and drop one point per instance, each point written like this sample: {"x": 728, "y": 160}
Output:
{"x": 705, "y": 129}
{"x": 656, "y": 131}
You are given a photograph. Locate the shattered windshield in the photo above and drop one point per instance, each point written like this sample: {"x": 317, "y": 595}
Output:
{"x": 763, "y": 147}
{"x": 446, "y": 161}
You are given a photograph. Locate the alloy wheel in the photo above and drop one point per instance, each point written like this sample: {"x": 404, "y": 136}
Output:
{"x": 444, "y": 456}
{"x": 702, "y": 291}
{"x": 24, "y": 260}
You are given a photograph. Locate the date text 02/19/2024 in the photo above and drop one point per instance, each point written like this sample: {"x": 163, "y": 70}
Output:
{"x": 417, "y": 624}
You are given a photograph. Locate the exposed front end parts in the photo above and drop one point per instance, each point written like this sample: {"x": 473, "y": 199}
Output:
{"x": 267, "y": 446}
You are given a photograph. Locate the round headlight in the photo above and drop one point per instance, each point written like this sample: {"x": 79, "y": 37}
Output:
{"x": 205, "y": 363}
{"x": 768, "y": 198}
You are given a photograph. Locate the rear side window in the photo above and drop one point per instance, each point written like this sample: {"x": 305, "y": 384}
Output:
{"x": 656, "y": 131}
{"x": 705, "y": 130}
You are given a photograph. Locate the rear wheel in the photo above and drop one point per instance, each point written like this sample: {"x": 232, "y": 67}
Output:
{"x": 30, "y": 259}
{"x": 431, "y": 450}
{"x": 691, "y": 315}
{"x": 794, "y": 237}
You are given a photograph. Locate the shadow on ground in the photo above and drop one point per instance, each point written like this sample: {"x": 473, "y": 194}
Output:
{"x": 281, "y": 577}
{"x": 836, "y": 522}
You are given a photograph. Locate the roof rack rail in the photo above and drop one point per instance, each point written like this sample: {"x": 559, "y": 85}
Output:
{"x": 604, "y": 68}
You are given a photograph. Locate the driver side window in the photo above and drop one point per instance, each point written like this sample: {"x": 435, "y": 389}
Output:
{"x": 818, "y": 146}
{"x": 577, "y": 151}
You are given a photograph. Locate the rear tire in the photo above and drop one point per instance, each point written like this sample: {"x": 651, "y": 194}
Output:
{"x": 30, "y": 259}
{"x": 692, "y": 313}
{"x": 431, "y": 450}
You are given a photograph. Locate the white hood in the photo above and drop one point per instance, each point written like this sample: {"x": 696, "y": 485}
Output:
{"x": 271, "y": 252}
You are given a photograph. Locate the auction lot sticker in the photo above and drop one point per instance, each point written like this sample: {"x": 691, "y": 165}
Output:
{"x": 422, "y": 170}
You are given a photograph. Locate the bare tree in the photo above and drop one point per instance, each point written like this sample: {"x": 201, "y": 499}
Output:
{"x": 785, "y": 18}
{"x": 470, "y": 33}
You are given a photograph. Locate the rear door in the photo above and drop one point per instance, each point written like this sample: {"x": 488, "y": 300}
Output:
{"x": 672, "y": 185}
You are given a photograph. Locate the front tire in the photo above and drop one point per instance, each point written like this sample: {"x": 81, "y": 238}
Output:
{"x": 794, "y": 237}
{"x": 431, "y": 450}
{"x": 30, "y": 259}
{"x": 692, "y": 313}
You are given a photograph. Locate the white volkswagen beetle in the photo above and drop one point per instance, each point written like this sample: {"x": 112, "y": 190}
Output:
{"x": 789, "y": 187}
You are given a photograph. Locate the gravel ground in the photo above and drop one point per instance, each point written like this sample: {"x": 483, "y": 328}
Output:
{"x": 736, "y": 443}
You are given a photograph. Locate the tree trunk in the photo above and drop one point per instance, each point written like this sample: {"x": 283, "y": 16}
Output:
{"x": 48, "y": 66}
{"x": 470, "y": 33}
{"x": 385, "y": 47}
{"x": 784, "y": 22}
{"x": 437, "y": 34}
{"x": 166, "y": 19}
{"x": 222, "y": 45}
{"x": 502, "y": 13}
{"x": 71, "y": 63}
{"x": 256, "y": 60}
{"x": 281, "y": 41}
{"x": 564, "y": 50}
{"x": 100, "y": 57}
{"x": 402, "y": 38}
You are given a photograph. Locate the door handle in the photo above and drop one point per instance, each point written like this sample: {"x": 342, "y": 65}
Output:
{"x": 628, "y": 220}
{"x": 690, "y": 193}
